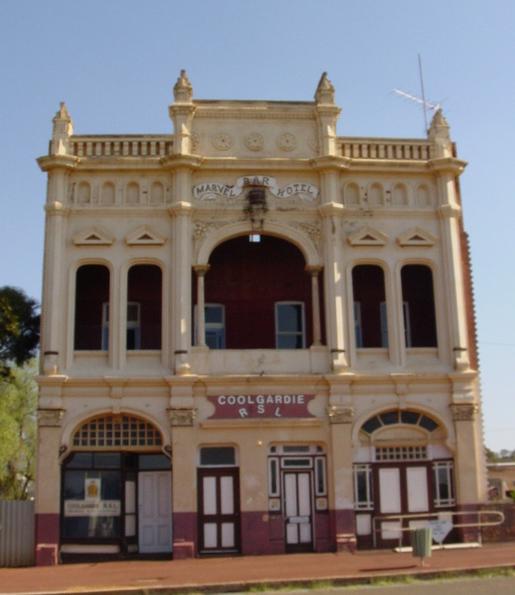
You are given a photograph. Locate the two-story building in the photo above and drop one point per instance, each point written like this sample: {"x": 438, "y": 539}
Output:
{"x": 257, "y": 336}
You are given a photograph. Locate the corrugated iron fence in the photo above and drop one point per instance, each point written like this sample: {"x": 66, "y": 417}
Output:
{"x": 16, "y": 533}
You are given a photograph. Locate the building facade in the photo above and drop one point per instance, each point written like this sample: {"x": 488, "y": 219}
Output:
{"x": 257, "y": 336}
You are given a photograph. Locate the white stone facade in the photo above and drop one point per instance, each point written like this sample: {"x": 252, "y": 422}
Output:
{"x": 166, "y": 204}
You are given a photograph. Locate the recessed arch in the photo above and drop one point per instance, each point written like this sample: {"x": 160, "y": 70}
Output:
{"x": 283, "y": 232}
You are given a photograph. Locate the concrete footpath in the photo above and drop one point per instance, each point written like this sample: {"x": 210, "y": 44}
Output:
{"x": 216, "y": 575}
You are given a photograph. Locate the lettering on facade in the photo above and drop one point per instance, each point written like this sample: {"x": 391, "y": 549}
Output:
{"x": 212, "y": 190}
{"x": 73, "y": 508}
{"x": 264, "y": 406}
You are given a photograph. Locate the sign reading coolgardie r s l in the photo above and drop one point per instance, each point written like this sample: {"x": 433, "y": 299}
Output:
{"x": 260, "y": 406}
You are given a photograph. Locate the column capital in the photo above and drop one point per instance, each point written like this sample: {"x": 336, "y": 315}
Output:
{"x": 55, "y": 162}
{"x": 50, "y": 418}
{"x": 201, "y": 269}
{"x": 448, "y": 211}
{"x": 464, "y": 411}
{"x": 330, "y": 209}
{"x": 313, "y": 269}
{"x": 181, "y": 208}
{"x": 340, "y": 414}
{"x": 181, "y": 417}
{"x": 330, "y": 163}
{"x": 447, "y": 165}
{"x": 181, "y": 161}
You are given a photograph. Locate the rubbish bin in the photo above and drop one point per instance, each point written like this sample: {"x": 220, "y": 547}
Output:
{"x": 421, "y": 542}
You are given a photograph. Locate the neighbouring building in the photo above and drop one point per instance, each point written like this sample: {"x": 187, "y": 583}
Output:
{"x": 257, "y": 336}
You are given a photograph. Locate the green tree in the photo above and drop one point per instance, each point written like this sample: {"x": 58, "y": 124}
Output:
{"x": 19, "y": 328}
{"x": 18, "y": 403}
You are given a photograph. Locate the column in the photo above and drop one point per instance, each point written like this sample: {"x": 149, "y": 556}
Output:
{"x": 48, "y": 484}
{"x": 184, "y": 453}
{"x": 340, "y": 419}
{"x": 201, "y": 271}
{"x": 54, "y": 296}
{"x": 315, "y": 305}
{"x": 181, "y": 212}
{"x": 469, "y": 471}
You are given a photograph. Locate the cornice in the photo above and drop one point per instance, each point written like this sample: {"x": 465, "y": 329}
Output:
{"x": 51, "y": 162}
{"x": 331, "y": 163}
{"x": 260, "y": 164}
{"x": 179, "y": 161}
{"x": 447, "y": 165}
{"x": 331, "y": 209}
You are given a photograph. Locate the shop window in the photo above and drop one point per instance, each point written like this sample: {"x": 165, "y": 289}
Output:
{"x": 217, "y": 456}
{"x": 363, "y": 487}
{"x": 443, "y": 487}
{"x": 289, "y": 325}
{"x": 419, "y": 307}
{"x": 144, "y": 307}
{"x": 370, "y": 321}
{"x": 91, "y": 307}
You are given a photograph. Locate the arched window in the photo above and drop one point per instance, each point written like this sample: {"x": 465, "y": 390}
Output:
{"x": 92, "y": 307}
{"x": 399, "y": 195}
{"x": 418, "y": 306}
{"x": 375, "y": 195}
{"x": 351, "y": 194}
{"x": 156, "y": 193}
{"x": 370, "y": 321}
{"x": 144, "y": 307}
{"x": 116, "y": 432}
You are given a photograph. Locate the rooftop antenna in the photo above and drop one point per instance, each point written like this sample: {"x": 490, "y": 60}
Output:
{"x": 426, "y": 105}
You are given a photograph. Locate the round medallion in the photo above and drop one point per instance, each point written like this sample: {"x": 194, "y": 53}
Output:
{"x": 222, "y": 141}
{"x": 286, "y": 141}
{"x": 254, "y": 141}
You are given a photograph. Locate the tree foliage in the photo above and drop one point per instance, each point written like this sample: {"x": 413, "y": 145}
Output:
{"x": 504, "y": 456}
{"x": 18, "y": 403}
{"x": 19, "y": 328}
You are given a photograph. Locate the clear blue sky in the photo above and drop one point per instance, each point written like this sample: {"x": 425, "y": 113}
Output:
{"x": 114, "y": 62}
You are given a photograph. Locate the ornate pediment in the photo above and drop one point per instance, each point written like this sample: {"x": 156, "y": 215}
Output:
{"x": 367, "y": 236}
{"x": 144, "y": 236}
{"x": 416, "y": 237}
{"x": 93, "y": 236}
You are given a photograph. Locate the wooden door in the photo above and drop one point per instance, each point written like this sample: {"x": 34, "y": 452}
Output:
{"x": 155, "y": 512}
{"x": 298, "y": 510}
{"x": 219, "y": 510}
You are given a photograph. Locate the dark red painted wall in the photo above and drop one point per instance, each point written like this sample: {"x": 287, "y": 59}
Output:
{"x": 91, "y": 291}
{"x": 248, "y": 278}
{"x": 144, "y": 287}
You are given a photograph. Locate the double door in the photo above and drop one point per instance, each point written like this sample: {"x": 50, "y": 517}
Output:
{"x": 219, "y": 510}
{"x": 403, "y": 489}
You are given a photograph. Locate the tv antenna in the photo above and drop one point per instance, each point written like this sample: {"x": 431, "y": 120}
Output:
{"x": 426, "y": 105}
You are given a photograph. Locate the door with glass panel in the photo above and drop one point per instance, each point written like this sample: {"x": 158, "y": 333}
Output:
{"x": 219, "y": 510}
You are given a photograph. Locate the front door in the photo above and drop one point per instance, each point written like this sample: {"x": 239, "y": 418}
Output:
{"x": 155, "y": 512}
{"x": 402, "y": 490}
{"x": 298, "y": 510}
{"x": 219, "y": 511}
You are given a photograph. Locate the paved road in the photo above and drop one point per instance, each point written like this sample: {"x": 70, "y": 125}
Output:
{"x": 466, "y": 586}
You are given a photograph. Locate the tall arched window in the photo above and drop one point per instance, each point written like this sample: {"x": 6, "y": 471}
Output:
{"x": 92, "y": 307}
{"x": 418, "y": 306}
{"x": 144, "y": 288}
{"x": 370, "y": 321}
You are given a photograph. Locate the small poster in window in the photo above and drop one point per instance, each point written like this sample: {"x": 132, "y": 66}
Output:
{"x": 92, "y": 487}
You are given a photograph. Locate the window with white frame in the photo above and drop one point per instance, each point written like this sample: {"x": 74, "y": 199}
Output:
{"x": 215, "y": 325}
{"x": 105, "y": 326}
{"x": 363, "y": 487}
{"x": 289, "y": 325}
{"x": 133, "y": 325}
{"x": 443, "y": 487}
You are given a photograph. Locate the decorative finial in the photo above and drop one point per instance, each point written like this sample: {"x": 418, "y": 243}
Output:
{"x": 439, "y": 135}
{"x": 439, "y": 123}
{"x": 325, "y": 90}
{"x": 62, "y": 129}
{"x": 183, "y": 91}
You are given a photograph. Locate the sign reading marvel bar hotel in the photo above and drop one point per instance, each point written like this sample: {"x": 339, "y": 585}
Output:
{"x": 265, "y": 406}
